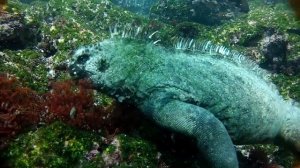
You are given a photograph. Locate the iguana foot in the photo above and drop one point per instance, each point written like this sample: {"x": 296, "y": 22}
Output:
{"x": 212, "y": 138}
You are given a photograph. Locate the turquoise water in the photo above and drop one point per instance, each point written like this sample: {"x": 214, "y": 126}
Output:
{"x": 82, "y": 83}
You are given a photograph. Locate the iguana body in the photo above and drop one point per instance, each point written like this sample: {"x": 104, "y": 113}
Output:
{"x": 217, "y": 100}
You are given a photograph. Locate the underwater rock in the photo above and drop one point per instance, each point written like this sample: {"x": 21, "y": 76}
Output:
{"x": 3, "y": 57}
{"x": 94, "y": 152}
{"x": 60, "y": 145}
{"x": 292, "y": 67}
{"x": 209, "y": 12}
{"x": 274, "y": 49}
{"x": 212, "y": 94}
{"x": 55, "y": 145}
{"x": 112, "y": 158}
{"x": 15, "y": 33}
{"x": 47, "y": 46}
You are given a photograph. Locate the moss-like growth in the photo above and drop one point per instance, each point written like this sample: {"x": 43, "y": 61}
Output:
{"x": 204, "y": 12}
{"x": 28, "y": 66}
{"x": 73, "y": 23}
{"x": 137, "y": 152}
{"x": 59, "y": 145}
{"x": 56, "y": 145}
{"x": 247, "y": 28}
{"x": 289, "y": 86}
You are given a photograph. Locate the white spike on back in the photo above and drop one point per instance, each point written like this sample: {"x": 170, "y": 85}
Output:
{"x": 191, "y": 45}
{"x": 207, "y": 47}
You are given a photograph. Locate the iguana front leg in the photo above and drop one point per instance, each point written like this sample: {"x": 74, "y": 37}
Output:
{"x": 212, "y": 138}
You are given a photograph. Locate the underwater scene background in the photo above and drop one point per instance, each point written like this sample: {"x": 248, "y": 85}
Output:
{"x": 50, "y": 117}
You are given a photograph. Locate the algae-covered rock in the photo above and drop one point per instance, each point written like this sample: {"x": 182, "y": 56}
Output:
{"x": 56, "y": 145}
{"x": 59, "y": 145}
{"x": 15, "y": 33}
{"x": 65, "y": 25}
{"x": 209, "y": 12}
{"x": 27, "y": 65}
{"x": 289, "y": 86}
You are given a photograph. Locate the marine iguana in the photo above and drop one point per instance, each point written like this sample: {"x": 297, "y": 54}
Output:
{"x": 214, "y": 95}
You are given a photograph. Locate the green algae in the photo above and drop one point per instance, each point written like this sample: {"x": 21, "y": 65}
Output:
{"x": 59, "y": 145}
{"x": 137, "y": 152}
{"x": 28, "y": 66}
{"x": 86, "y": 22}
{"x": 288, "y": 86}
{"x": 66, "y": 25}
{"x": 252, "y": 25}
{"x": 56, "y": 145}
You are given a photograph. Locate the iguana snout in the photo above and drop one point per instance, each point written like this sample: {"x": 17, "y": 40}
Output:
{"x": 88, "y": 61}
{"x": 77, "y": 68}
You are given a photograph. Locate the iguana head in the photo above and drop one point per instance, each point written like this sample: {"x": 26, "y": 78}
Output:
{"x": 108, "y": 64}
{"x": 91, "y": 62}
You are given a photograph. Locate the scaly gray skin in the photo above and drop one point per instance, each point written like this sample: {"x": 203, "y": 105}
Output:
{"x": 210, "y": 97}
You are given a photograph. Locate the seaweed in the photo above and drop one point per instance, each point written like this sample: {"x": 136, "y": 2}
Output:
{"x": 20, "y": 107}
{"x": 75, "y": 104}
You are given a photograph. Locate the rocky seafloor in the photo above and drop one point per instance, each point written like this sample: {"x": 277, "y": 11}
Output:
{"x": 47, "y": 119}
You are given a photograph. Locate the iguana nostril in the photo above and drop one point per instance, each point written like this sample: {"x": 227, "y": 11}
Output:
{"x": 82, "y": 58}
